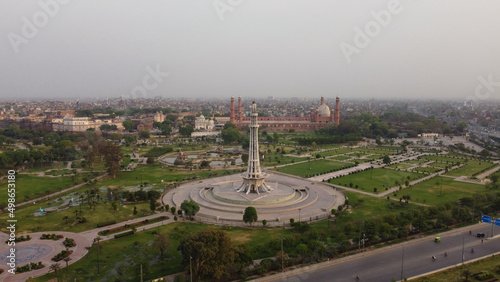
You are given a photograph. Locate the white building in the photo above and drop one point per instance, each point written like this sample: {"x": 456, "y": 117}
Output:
{"x": 203, "y": 124}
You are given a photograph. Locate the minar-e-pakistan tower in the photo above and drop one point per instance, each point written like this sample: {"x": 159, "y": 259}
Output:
{"x": 254, "y": 179}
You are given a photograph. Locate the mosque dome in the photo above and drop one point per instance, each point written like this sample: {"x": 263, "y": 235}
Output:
{"x": 323, "y": 110}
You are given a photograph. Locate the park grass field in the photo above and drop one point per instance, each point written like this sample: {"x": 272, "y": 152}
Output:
{"x": 338, "y": 151}
{"x": 439, "y": 165}
{"x": 342, "y": 158}
{"x": 472, "y": 167}
{"x": 376, "y": 178}
{"x": 379, "y": 151}
{"x": 154, "y": 174}
{"x": 428, "y": 192}
{"x": 401, "y": 166}
{"x": 32, "y": 186}
{"x": 365, "y": 207}
{"x": 54, "y": 221}
{"x": 443, "y": 159}
{"x": 485, "y": 265}
{"x": 429, "y": 170}
{"x": 308, "y": 169}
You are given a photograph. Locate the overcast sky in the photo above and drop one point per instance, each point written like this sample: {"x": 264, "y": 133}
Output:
{"x": 111, "y": 48}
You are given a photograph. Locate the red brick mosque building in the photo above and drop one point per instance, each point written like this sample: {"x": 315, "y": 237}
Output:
{"x": 318, "y": 118}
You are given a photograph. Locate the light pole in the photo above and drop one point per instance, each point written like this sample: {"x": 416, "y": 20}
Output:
{"x": 299, "y": 217}
{"x": 282, "y": 255}
{"x": 402, "y": 261}
{"x": 190, "y": 269}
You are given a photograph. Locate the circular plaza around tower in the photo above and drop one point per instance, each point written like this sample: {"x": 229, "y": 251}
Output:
{"x": 291, "y": 197}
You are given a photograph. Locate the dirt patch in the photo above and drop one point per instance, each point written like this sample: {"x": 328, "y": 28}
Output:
{"x": 242, "y": 238}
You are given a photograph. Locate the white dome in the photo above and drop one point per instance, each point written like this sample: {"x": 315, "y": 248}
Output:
{"x": 323, "y": 110}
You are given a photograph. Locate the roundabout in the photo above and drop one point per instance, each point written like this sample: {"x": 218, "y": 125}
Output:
{"x": 276, "y": 197}
{"x": 292, "y": 197}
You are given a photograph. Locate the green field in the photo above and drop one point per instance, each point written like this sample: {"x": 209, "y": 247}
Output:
{"x": 31, "y": 186}
{"x": 401, "y": 166}
{"x": 471, "y": 167}
{"x": 311, "y": 168}
{"x": 376, "y": 178}
{"x": 338, "y": 151}
{"x": 428, "y": 192}
{"x": 429, "y": 170}
{"x": 379, "y": 151}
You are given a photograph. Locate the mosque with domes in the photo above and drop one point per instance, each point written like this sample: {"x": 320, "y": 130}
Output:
{"x": 318, "y": 118}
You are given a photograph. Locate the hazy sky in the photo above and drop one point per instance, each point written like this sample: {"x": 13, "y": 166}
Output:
{"x": 197, "y": 48}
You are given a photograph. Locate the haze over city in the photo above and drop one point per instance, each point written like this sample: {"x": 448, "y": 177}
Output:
{"x": 189, "y": 49}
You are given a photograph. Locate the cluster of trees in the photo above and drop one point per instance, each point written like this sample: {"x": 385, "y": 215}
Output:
{"x": 141, "y": 195}
{"x": 231, "y": 134}
{"x": 212, "y": 255}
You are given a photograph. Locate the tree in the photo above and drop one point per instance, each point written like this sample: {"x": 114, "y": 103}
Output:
{"x": 66, "y": 218}
{"x": 66, "y": 260}
{"x": 113, "y": 156}
{"x": 152, "y": 204}
{"x": 250, "y": 215}
{"x": 162, "y": 244}
{"x": 190, "y": 208}
{"x": 386, "y": 159}
{"x": 55, "y": 267}
{"x": 114, "y": 205}
{"x": 466, "y": 273}
{"x": 172, "y": 210}
{"x": 230, "y": 135}
{"x": 461, "y": 126}
{"x": 144, "y": 134}
{"x": 186, "y": 130}
{"x": 210, "y": 251}
{"x": 128, "y": 125}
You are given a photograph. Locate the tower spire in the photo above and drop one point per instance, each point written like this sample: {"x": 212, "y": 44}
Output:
{"x": 254, "y": 179}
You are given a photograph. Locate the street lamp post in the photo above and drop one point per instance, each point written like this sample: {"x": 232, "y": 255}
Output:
{"x": 402, "y": 261}
{"x": 190, "y": 269}
{"x": 299, "y": 217}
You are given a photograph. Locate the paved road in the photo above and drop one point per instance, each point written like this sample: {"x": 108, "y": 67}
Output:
{"x": 385, "y": 264}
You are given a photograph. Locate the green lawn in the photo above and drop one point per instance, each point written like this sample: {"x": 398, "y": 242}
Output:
{"x": 376, "y": 178}
{"x": 308, "y": 169}
{"x": 31, "y": 186}
{"x": 54, "y": 221}
{"x": 338, "y": 151}
{"x": 368, "y": 207}
{"x": 429, "y": 170}
{"x": 428, "y": 192}
{"x": 379, "y": 151}
{"x": 471, "y": 167}
{"x": 401, "y": 166}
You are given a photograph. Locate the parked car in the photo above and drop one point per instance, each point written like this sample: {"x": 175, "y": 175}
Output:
{"x": 480, "y": 235}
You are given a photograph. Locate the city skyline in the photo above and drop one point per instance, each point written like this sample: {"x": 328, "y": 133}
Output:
{"x": 185, "y": 49}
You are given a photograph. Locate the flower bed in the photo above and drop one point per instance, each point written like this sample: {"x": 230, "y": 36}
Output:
{"x": 69, "y": 242}
{"x": 61, "y": 255}
{"x": 126, "y": 226}
{"x": 20, "y": 239}
{"x": 27, "y": 268}
{"x": 51, "y": 237}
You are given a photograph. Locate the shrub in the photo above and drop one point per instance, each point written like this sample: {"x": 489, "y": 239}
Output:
{"x": 106, "y": 223}
{"x": 130, "y": 232}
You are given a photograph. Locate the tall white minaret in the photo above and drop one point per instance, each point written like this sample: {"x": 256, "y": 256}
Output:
{"x": 254, "y": 179}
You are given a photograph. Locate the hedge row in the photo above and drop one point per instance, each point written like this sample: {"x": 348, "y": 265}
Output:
{"x": 130, "y": 232}
{"x": 106, "y": 223}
